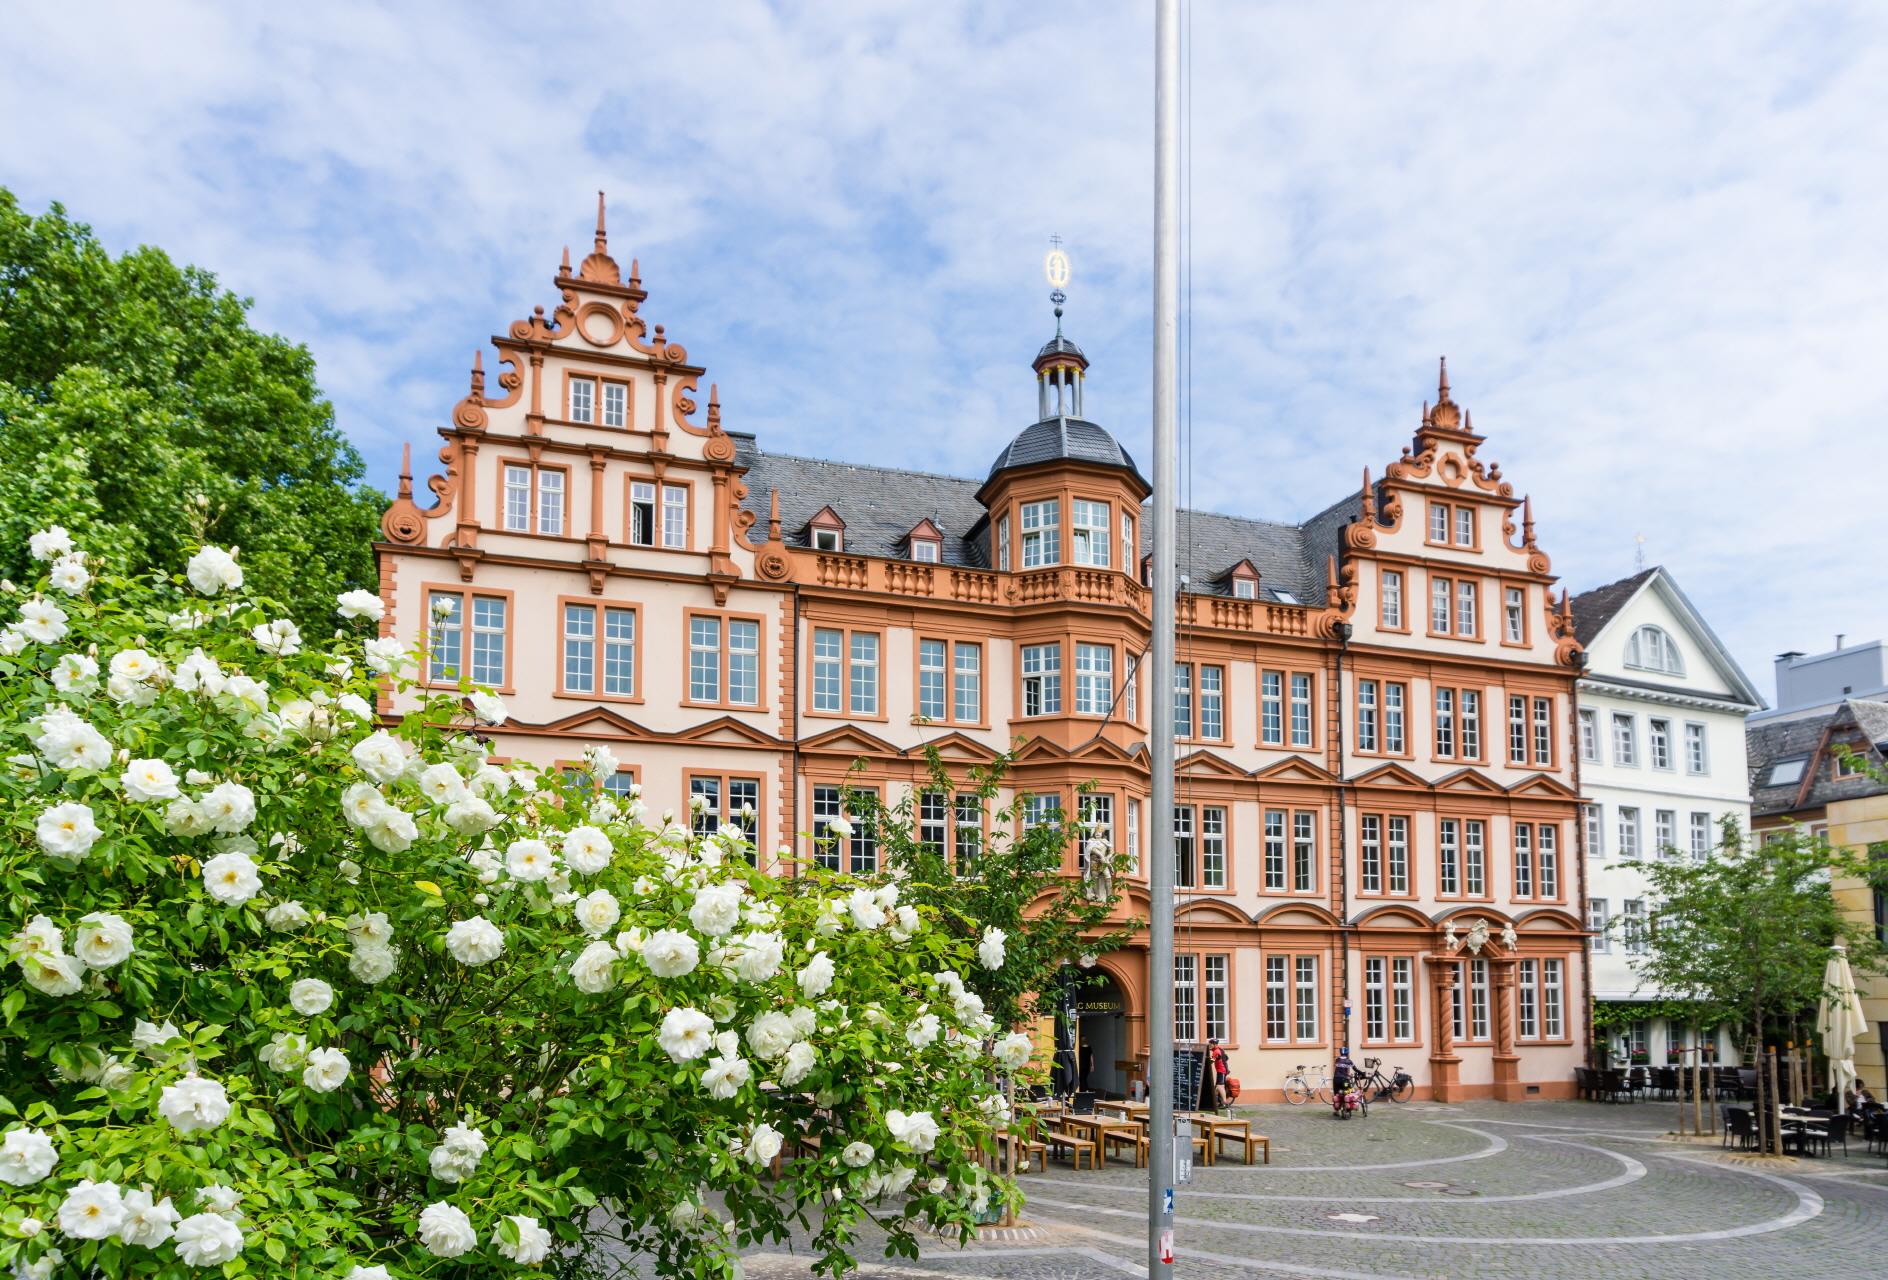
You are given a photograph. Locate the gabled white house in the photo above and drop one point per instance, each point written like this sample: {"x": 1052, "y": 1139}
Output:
{"x": 1662, "y": 762}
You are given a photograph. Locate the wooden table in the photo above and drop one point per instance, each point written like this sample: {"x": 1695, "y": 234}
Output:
{"x": 1221, "y": 1127}
{"x": 1096, "y": 1129}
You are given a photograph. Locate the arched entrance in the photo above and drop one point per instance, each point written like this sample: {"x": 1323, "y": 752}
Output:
{"x": 1091, "y": 1032}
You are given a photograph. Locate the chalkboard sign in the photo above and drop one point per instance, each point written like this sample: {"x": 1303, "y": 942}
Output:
{"x": 1189, "y": 1071}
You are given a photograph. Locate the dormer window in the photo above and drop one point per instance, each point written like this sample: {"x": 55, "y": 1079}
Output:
{"x": 925, "y": 543}
{"x": 1651, "y": 649}
{"x": 1245, "y": 589}
{"x": 924, "y": 550}
{"x": 826, "y": 540}
{"x": 826, "y": 531}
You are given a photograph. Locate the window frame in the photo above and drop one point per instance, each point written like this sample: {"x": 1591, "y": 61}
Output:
{"x": 1396, "y": 976}
{"x": 1629, "y": 758}
{"x": 589, "y": 381}
{"x": 1051, "y": 680}
{"x": 536, "y": 471}
{"x": 724, "y": 783}
{"x": 660, "y": 489}
{"x": 1384, "y": 596}
{"x": 1454, "y": 585}
{"x": 1698, "y": 733}
{"x": 1375, "y": 855}
{"x": 1452, "y": 526}
{"x": 1046, "y": 534}
{"x": 1088, "y": 540}
{"x": 1512, "y": 613}
{"x": 726, "y": 666}
{"x": 600, "y": 610}
{"x": 1094, "y": 689}
{"x": 1289, "y": 1008}
{"x": 861, "y": 841}
{"x": 466, "y": 594}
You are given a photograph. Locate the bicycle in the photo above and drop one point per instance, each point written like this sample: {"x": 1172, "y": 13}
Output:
{"x": 1397, "y": 1086}
{"x": 1300, "y": 1088}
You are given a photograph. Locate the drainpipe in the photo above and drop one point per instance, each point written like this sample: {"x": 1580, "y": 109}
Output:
{"x": 793, "y": 797}
{"x": 1579, "y": 843}
{"x": 1343, "y": 844}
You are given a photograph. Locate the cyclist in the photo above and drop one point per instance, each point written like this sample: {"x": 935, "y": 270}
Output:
{"x": 1343, "y": 1081}
{"x": 1222, "y": 1071}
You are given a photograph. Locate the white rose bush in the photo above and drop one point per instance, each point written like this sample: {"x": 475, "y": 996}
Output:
{"x": 292, "y": 988}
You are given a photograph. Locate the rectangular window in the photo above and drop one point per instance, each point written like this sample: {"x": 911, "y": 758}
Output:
{"x": 1449, "y": 858}
{"x": 1042, "y": 534}
{"x": 1182, "y": 700}
{"x": 1549, "y": 855}
{"x": 1392, "y": 603}
{"x": 615, "y": 404}
{"x": 580, "y": 648}
{"x": 1659, "y": 740}
{"x": 1471, "y": 735}
{"x": 1042, "y": 679}
{"x": 967, "y": 683}
{"x": 1183, "y": 877}
{"x": 1514, "y": 615}
{"x": 709, "y": 667}
{"x": 1474, "y": 860}
{"x": 1376, "y": 998}
{"x": 1370, "y": 853}
{"x": 550, "y": 501}
{"x": 1445, "y": 723}
{"x": 583, "y": 399}
{"x": 1304, "y": 853}
{"x": 1186, "y": 1028}
{"x": 1700, "y": 836}
{"x": 704, "y": 659}
{"x": 826, "y": 540}
{"x": 969, "y": 815}
{"x": 1128, "y": 548}
{"x": 1517, "y": 729}
{"x": 1094, "y": 679}
{"x": 1305, "y": 989}
{"x": 534, "y": 499}
{"x": 1003, "y": 544}
{"x": 828, "y": 803}
{"x": 1393, "y": 695}
{"x": 1543, "y": 732}
{"x": 1523, "y": 860}
{"x": 1551, "y": 1018}
{"x": 1439, "y": 522}
{"x": 1131, "y": 688}
{"x": 1633, "y": 932}
{"x": 675, "y": 516}
{"x": 864, "y": 673}
{"x": 1528, "y": 998}
{"x": 1276, "y": 992}
{"x": 1628, "y": 831}
{"x": 1212, "y": 703}
{"x": 1595, "y": 831}
{"x": 1601, "y": 942}
{"x": 934, "y": 811}
{"x": 1215, "y": 991}
{"x": 1466, "y": 607}
{"x": 1403, "y": 998}
{"x": 1134, "y": 836}
{"x": 829, "y": 646}
{"x": 1590, "y": 736}
{"x": 924, "y": 550}
{"x": 1665, "y": 832}
{"x": 1300, "y": 709}
{"x": 725, "y": 802}
{"x": 1088, "y": 533}
{"x": 1040, "y": 810}
{"x": 1397, "y": 841}
{"x": 517, "y": 498}
{"x": 1625, "y": 740}
{"x": 1275, "y": 850}
{"x": 477, "y": 652}
{"x": 1272, "y": 708}
{"x": 1366, "y": 715}
{"x": 1097, "y": 810}
{"x": 931, "y": 655}
{"x": 1439, "y": 612}
{"x": 1464, "y": 526}
{"x": 1245, "y": 589}
{"x": 1478, "y": 998}
{"x": 642, "y": 513}
{"x": 744, "y": 664}
{"x": 619, "y": 650}
{"x": 1212, "y": 847}
{"x": 1695, "y": 760}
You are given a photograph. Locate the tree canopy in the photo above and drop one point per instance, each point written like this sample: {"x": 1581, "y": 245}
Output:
{"x": 140, "y": 410}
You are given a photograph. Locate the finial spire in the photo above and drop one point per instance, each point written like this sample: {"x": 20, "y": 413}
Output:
{"x": 563, "y": 268}
{"x": 406, "y": 470}
{"x": 1055, "y": 268}
{"x": 602, "y": 236}
{"x": 1369, "y": 498}
{"x": 478, "y": 373}
{"x": 1442, "y": 386}
{"x": 773, "y": 516}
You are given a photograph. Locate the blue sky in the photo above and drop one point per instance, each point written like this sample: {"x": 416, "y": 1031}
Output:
{"x": 1649, "y": 238}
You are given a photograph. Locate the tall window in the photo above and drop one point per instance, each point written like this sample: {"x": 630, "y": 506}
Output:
{"x": 1514, "y": 614}
{"x": 1392, "y": 600}
{"x": 1695, "y": 760}
{"x": 1396, "y": 850}
{"x": 1590, "y": 736}
{"x": 1665, "y": 832}
{"x": 1548, "y": 838}
{"x": 675, "y": 515}
{"x": 931, "y": 660}
{"x": 1595, "y": 831}
{"x": 1041, "y": 809}
{"x": 967, "y": 683}
{"x": 1094, "y": 679}
{"x": 1517, "y": 729}
{"x": 1275, "y": 850}
{"x": 1183, "y": 700}
{"x": 1440, "y": 614}
{"x": 969, "y": 819}
{"x": 534, "y": 498}
{"x": 1131, "y": 688}
{"x": 1042, "y": 679}
{"x": 1366, "y": 715}
{"x": 1212, "y": 702}
{"x": 1300, "y": 709}
{"x": 1134, "y": 836}
{"x": 711, "y": 667}
{"x": 1449, "y": 857}
{"x": 618, "y": 656}
{"x": 1552, "y": 1021}
{"x": 864, "y": 675}
{"x": 1628, "y": 831}
{"x": 934, "y": 820}
{"x": 1186, "y": 978}
{"x": 1277, "y": 990}
{"x": 643, "y": 530}
{"x": 1700, "y": 836}
{"x": 829, "y": 648}
{"x": 1596, "y": 924}
{"x": 1088, "y": 533}
{"x": 583, "y": 400}
{"x": 1215, "y": 988}
{"x": 1272, "y": 708}
{"x": 1291, "y": 999}
{"x": 1633, "y": 930}
{"x": 1304, "y": 852}
{"x": 1465, "y": 526}
{"x": 1445, "y": 723}
{"x": 1097, "y": 817}
{"x": 1383, "y": 848}
{"x": 1042, "y": 534}
{"x": 1438, "y": 522}
{"x": 1212, "y": 847}
{"x": 1003, "y": 544}
{"x": 1544, "y": 732}
{"x": 950, "y": 686}
{"x": 1527, "y": 1000}
{"x": 615, "y": 404}
{"x": 1466, "y": 605}
{"x": 477, "y": 651}
{"x": 1471, "y": 734}
{"x": 1659, "y": 743}
{"x": 859, "y": 853}
{"x": 1128, "y": 547}
{"x": 1625, "y": 740}
{"x": 1376, "y": 998}
{"x": 1478, "y": 999}
{"x": 1305, "y": 997}
{"x": 1474, "y": 859}
{"x": 725, "y": 802}
{"x": 1393, "y": 698}
{"x": 1523, "y": 860}
{"x": 1403, "y": 997}
{"x": 1183, "y": 850}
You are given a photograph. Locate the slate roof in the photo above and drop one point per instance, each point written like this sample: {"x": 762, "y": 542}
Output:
{"x": 1059, "y": 346}
{"x": 1851, "y": 721}
{"x": 1592, "y": 610}
{"x": 880, "y": 505}
{"x": 1056, "y": 438}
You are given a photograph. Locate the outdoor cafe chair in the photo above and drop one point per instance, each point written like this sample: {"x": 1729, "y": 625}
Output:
{"x": 1740, "y": 1124}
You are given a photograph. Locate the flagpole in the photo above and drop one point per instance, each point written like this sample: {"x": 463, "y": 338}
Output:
{"x": 1160, "y": 1166}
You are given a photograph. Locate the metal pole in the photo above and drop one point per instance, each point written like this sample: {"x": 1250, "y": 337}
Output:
{"x": 1166, "y": 455}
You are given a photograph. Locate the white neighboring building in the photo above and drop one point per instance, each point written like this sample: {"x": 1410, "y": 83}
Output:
{"x": 1662, "y": 762}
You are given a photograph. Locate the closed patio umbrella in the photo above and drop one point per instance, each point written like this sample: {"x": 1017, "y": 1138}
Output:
{"x": 1839, "y": 1020}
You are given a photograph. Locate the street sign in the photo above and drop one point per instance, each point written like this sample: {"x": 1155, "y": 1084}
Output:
{"x": 1169, "y": 1208}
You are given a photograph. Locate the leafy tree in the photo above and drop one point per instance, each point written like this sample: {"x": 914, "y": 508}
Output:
{"x": 140, "y": 410}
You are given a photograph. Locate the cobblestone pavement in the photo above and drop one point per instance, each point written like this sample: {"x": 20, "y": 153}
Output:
{"x": 1534, "y": 1190}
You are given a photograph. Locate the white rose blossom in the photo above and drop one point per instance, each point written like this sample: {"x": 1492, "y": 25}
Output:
{"x": 67, "y": 831}
{"x": 373, "y": 964}
{"x": 475, "y": 941}
{"x": 990, "y": 950}
{"x": 207, "y": 1240}
{"x": 231, "y": 878}
{"x": 310, "y": 996}
{"x": 446, "y": 1231}
{"x": 360, "y": 604}
{"x": 529, "y": 860}
{"x": 771, "y": 1034}
{"x": 457, "y": 1156}
{"x": 1013, "y": 1051}
{"x": 230, "y": 808}
{"x": 533, "y": 1245}
{"x": 41, "y": 621}
{"x": 763, "y": 1144}
{"x": 193, "y": 1104}
{"x": 147, "y": 1222}
{"x": 102, "y": 940}
{"x": 488, "y": 708}
{"x": 857, "y": 1154}
{"x": 26, "y": 1157}
{"x": 327, "y": 1070}
{"x": 716, "y": 909}
{"x": 70, "y": 575}
{"x": 213, "y": 570}
{"x": 285, "y": 1052}
{"x": 385, "y": 654}
{"x": 50, "y": 543}
{"x": 817, "y": 978}
{"x": 149, "y": 780}
{"x": 597, "y": 912}
{"x": 149, "y": 1037}
{"x": 670, "y": 953}
{"x": 91, "y": 1210}
{"x": 724, "y": 1076}
{"x": 75, "y": 673}
{"x": 800, "y": 1061}
{"x": 594, "y": 970}
{"x": 586, "y": 850}
{"x": 686, "y": 1034}
{"x": 917, "y": 1129}
{"x": 286, "y": 917}
{"x": 381, "y": 756}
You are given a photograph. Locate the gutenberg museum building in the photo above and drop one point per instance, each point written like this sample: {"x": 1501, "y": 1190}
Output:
{"x": 1377, "y": 820}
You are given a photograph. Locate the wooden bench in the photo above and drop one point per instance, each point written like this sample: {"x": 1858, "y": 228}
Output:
{"x": 1057, "y": 1139}
{"x": 1254, "y": 1141}
{"x": 1031, "y": 1156}
{"x": 1202, "y": 1150}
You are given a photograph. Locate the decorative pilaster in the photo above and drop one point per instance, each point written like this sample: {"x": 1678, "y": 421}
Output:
{"x": 1508, "y": 1087}
{"x": 1444, "y": 1065}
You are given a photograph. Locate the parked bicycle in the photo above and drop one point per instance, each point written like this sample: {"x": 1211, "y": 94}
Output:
{"x": 1306, "y": 1083}
{"x": 1397, "y": 1086}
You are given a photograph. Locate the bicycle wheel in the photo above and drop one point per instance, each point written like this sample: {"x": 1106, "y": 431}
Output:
{"x": 1323, "y": 1091}
{"x": 1296, "y": 1091}
{"x": 1403, "y": 1091}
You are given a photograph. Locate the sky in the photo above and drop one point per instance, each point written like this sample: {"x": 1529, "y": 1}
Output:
{"x": 1651, "y": 239}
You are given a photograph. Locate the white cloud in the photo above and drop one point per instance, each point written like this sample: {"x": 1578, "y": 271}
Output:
{"x": 1648, "y": 237}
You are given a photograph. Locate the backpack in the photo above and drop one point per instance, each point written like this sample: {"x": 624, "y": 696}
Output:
{"x": 1232, "y": 1088}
